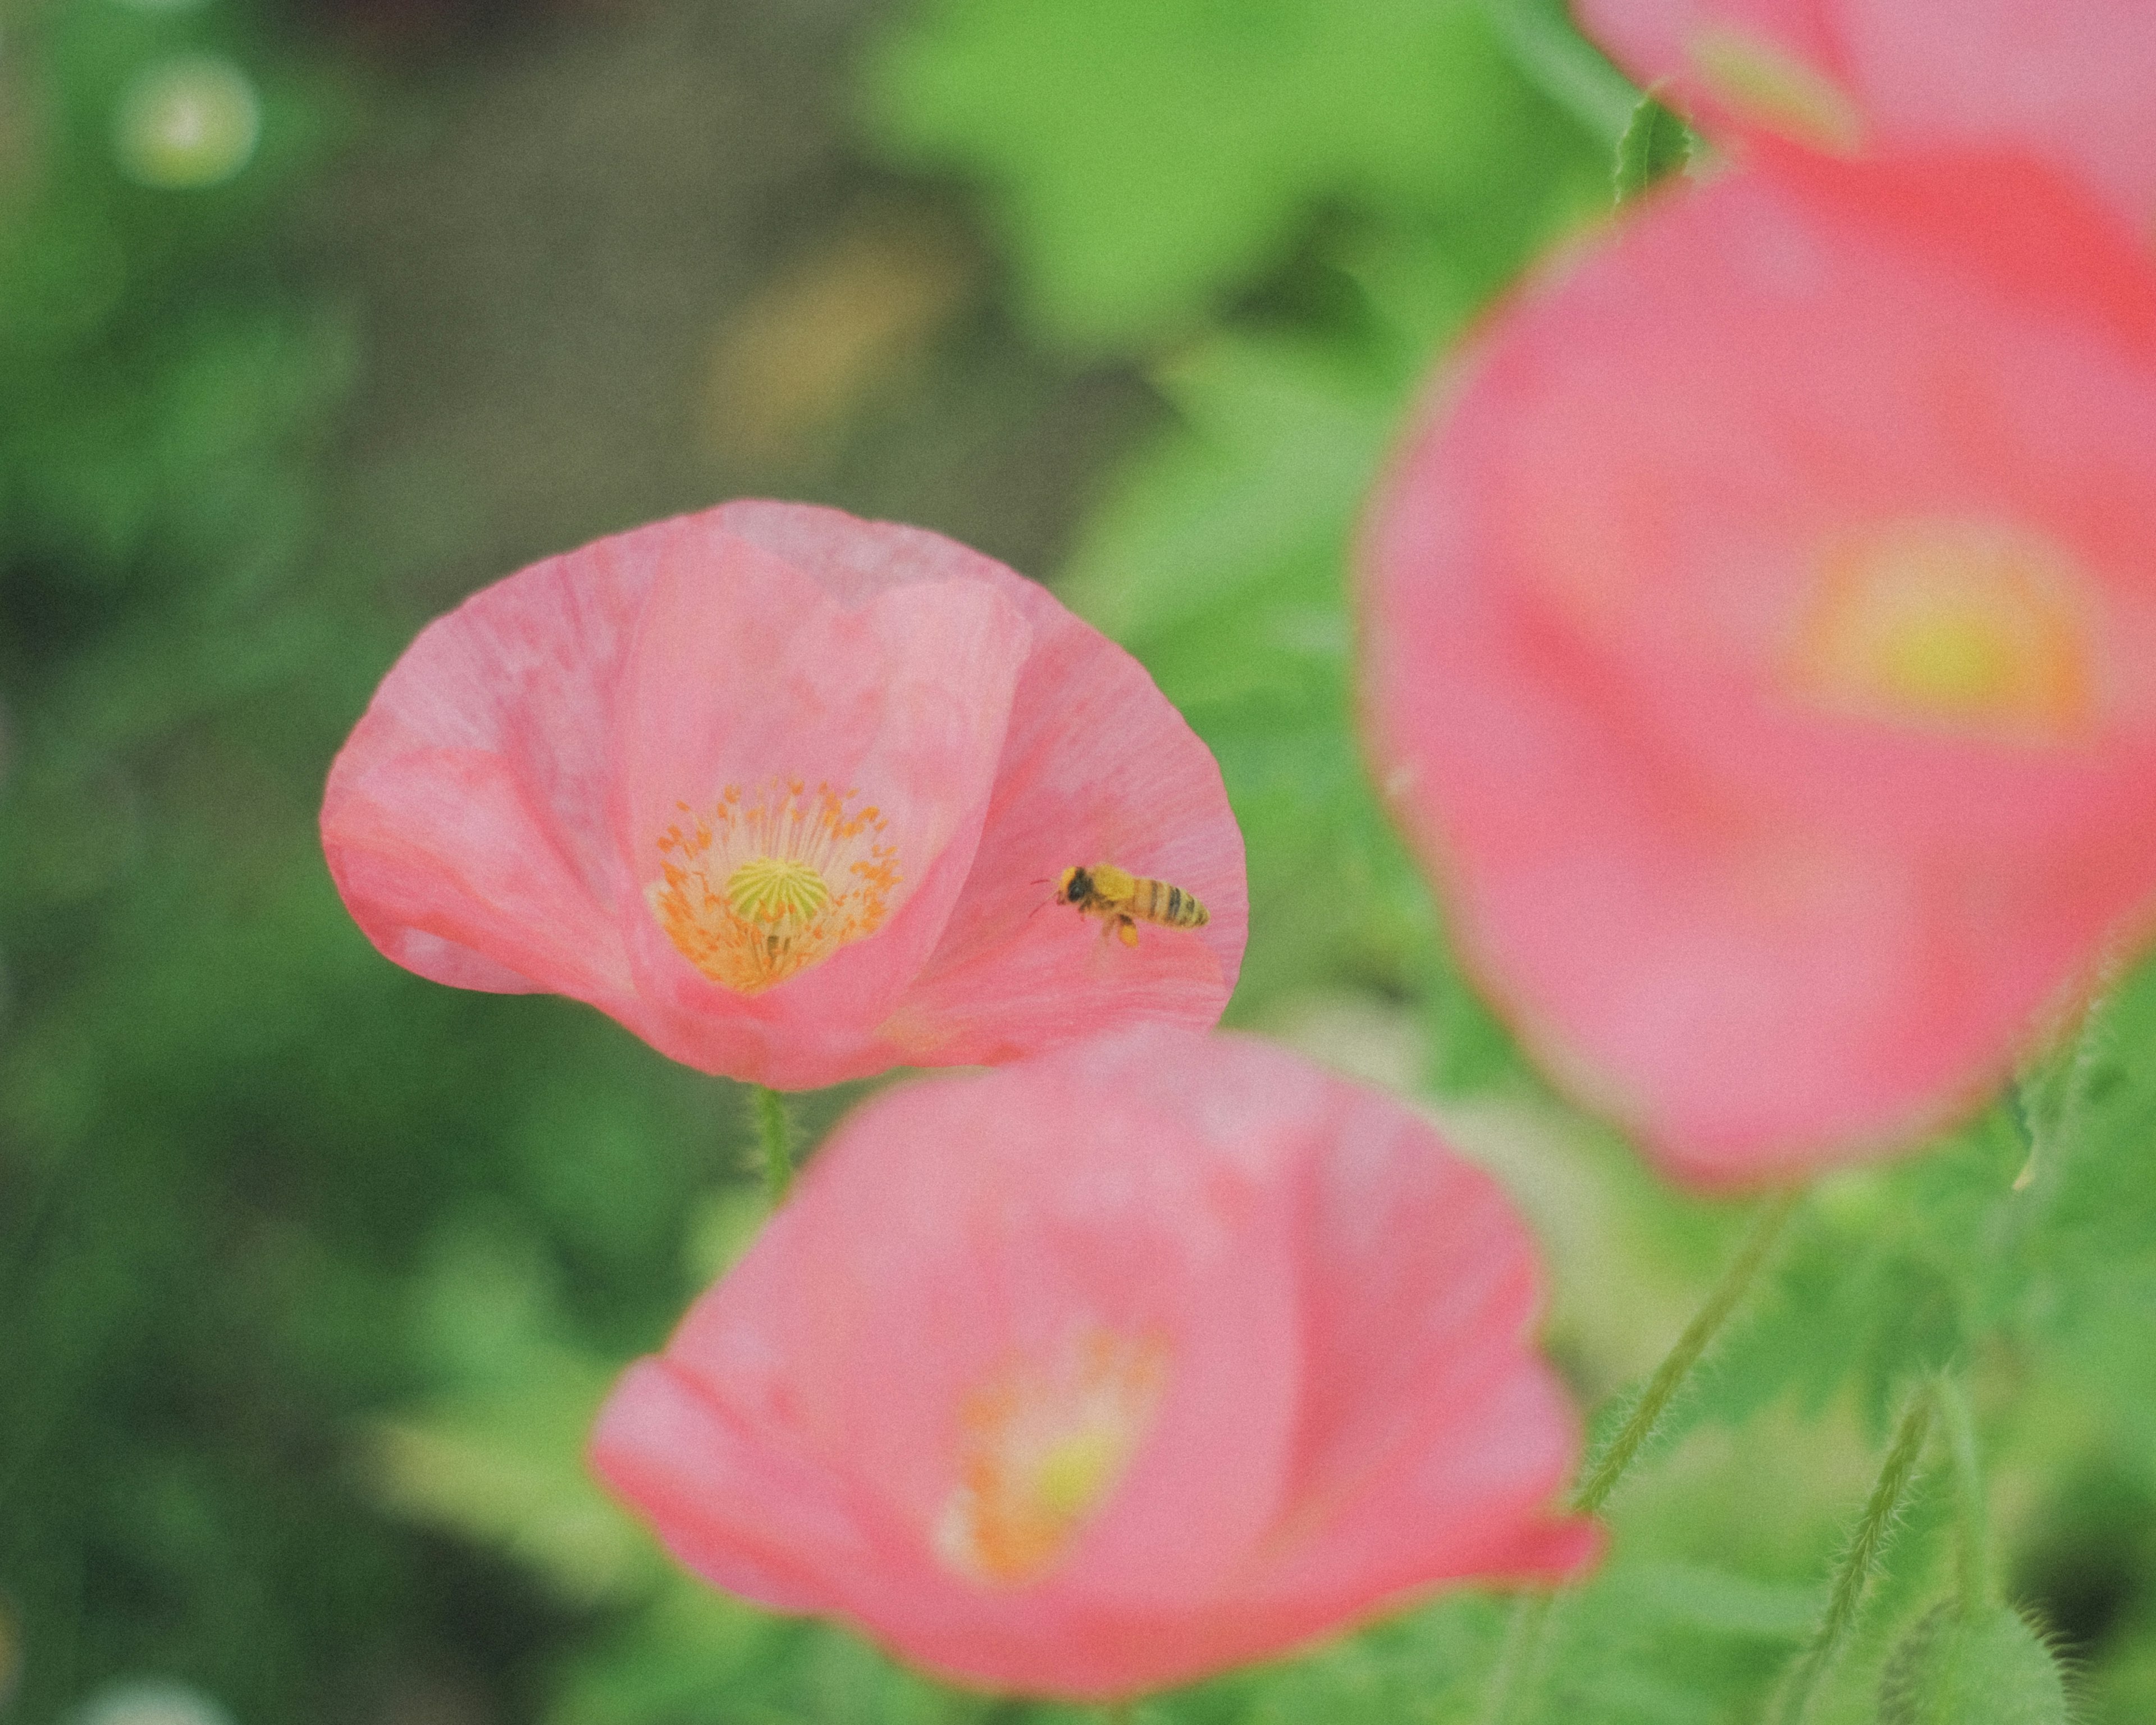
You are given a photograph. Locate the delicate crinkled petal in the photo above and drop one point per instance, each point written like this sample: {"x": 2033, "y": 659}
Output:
{"x": 855, "y": 560}
{"x": 1097, "y": 767}
{"x": 725, "y": 777}
{"x": 1197, "y": 1216}
{"x": 748, "y": 673}
{"x": 1767, "y": 928}
{"x": 929, "y": 1248}
{"x": 471, "y": 842}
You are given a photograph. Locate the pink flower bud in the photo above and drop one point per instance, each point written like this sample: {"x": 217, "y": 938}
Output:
{"x": 1133, "y": 1362}
{"x": 1760, "y": 648}
{"x": 789, "y": 794}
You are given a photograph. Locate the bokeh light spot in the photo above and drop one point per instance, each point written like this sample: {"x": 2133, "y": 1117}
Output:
{"x": 188, "y": 122}
{"x": 151, "y": 1701}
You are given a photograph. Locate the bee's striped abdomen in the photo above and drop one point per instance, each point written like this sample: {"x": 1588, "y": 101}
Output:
{"x": 1123, "y": 901}
{"x": 1169, "y": 905}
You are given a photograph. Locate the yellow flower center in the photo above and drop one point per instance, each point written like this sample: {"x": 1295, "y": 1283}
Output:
{"x": 762, "y": 886}
{"x": 1953, "y": 626}
{"x": 1039, "y": 1454}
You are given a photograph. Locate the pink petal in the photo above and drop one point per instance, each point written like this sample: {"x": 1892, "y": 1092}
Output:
{"x": 746, "y": 669}
{"x": 2067, "y": 82}
{"x": 506, "y": 815}
{"x": 1435, "y": 1412}
{"x": 931, "y": 1252}
{"x": 1660, "y": 42}
{"x": 1350, "y": 1411}
{"x": 1771, "y": 935}
{"x": 732, "y": 1508}
{"x": 473, "y": 845}
{"x": 1096, "y": 767}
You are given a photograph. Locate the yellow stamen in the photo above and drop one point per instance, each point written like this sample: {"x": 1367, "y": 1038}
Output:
{"x": 1953, "y": 625}
{"x": 1039, "y": 1454}
{"x": 762, "y": 887}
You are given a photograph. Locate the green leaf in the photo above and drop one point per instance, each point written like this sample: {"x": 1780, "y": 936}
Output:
{"x": 1219, "y": 560}
{"x": 1991, "y": 1669}
{"x": 1147, "y": 159}
{"x": 1699, "y": 1596}
{"x": 500, "y": 1458}
{"x": 1656, "y": 143}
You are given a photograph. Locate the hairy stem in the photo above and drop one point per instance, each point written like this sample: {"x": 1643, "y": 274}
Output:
{"x": 1859, "y": 1562}
{"x": 774, "y": 1130}
{"x": 2047, "y": 1138}
{"x": 1972, "y": 1520}
{"x": 1611, "y": 1464}
{"x": 1531, "y": 1612}
{"x": 1559, "y": 61}
{"x": 2024, "y": 1118}
{"x": 1516, "y": 1656}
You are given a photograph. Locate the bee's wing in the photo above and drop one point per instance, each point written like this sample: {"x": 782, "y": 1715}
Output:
{"x": 1104, "y": 952}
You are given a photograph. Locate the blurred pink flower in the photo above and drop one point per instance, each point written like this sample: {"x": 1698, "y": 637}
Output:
{"x": 2067, "y": 79}
{"x": 1759, "y": 643}
{"x": 1133, "y": 1362}
{"x": 788, "y": 793}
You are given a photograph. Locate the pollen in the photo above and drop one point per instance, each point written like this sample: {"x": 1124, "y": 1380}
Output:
{"x": 769, "y": 882}
{"x": 1040, "y": 1452}
{"x": 1953, "y": 626}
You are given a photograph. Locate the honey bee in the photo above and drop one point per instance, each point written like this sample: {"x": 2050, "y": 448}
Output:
{"x": 1123, "y": 900}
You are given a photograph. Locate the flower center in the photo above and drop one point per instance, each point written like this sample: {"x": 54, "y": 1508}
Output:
{"x": 1953, "y": 626}
{"x": 1039, "y": 1454}
{"x": 764, "y": 885}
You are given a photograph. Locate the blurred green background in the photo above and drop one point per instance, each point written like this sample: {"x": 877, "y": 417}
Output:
{"x": 314, "y": 316}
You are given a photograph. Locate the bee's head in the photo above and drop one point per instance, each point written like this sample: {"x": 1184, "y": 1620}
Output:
{"x": 1075, "y": 887}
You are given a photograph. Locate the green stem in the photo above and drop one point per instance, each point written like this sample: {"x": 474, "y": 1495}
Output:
{"x": 2025, "y": 1122}
{"x": 1530, "y": 1612}
{"x": 1516, "y": 1656}
{"x": 1559, "y": 61}
{"x": 774, "y": 1130}
{"x": 2046, "y": 1139}
{"x": 1610, "y": 1467}
{"x": 1859, "y": 1564}
{"x": 1972, "y": 1520}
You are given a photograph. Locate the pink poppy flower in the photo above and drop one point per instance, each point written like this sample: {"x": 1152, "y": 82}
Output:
{"x": 2066, "y": 79}
{"x": 1759, "y": 644}
{"x": 1115, "y": 1367}
{"x": 788, "y": 794}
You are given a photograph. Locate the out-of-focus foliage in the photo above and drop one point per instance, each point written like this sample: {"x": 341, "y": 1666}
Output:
{"x": 1221, "y": 555}
{"x": 310, "y": 1272}
{"x": 227, "y": 1129}
{"x": 1991, "y": 1667}
{"x": 1150, "y": 159}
